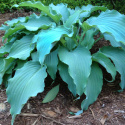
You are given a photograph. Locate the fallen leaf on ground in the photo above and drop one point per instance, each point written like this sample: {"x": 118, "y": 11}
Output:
{"x": 103, "y": 119}
{"x": 50, "y": 113}
{"x": 73, "y": 109}
{"x": 2, "y": 107}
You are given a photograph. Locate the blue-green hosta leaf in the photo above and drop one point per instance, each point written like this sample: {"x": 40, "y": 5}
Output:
{"x": 70, "y": 43}
{"x": 27, "y": 82}
{"x": 63, "y": 71}
{"x": 89, "y": 9}
{"x": 33, "y": 24}
{"x": 51, "y": 62}
{"x": 71, "y": 11}
{"x": 1, "y": 64}
{"x": 61, "y": 9}
{"x": 20, "y": 64}
{"x": 40, "y": 6}
{"x": 79, "y": 65}
{"x": 93, "y": 87}
{"x": 86, "y": 26}
{"x": 5, "y": 64}
{"x": 6, "y": 77}
{"x": 36, "y": 22}
{"x": 35, "y": 56}
{"x": 72, "y": 19}
{"x": 12, "y": 38}
{"x": 11, "y": 31}
{"x": 113, "y": 42}
{"x": 4, "y": 27}
{"x": 117, "y": 55}
{"x": 1, "y": 69}
{"x": 88, "y": 39}
{"x": 15, "y": 21}
{"x": 21, "y": 48}
{"x": 105, "y": 62}
{"x": 1, "y": 79}
{"x": 51, "y": 94}
{"x": 11, "y": 67}
{"x": 112, "y": 22}
{"x": 5, "y": 49}
{"x": 46, "y": 38}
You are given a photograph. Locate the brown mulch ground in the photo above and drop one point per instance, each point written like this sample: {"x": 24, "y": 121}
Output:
{"x": 109, "y": 109}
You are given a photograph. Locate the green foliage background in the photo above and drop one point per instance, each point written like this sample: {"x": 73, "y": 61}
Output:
{"x": 5, "y": 5}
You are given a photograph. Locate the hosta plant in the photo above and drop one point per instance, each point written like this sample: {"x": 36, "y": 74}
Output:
{"x": 60, "y": 39}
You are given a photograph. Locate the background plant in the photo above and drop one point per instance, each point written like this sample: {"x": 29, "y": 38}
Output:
{"x": 60, "y": 39}
{"x": 5, "y": 5}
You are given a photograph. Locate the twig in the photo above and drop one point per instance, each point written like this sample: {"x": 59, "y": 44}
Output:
{"x": 76, "y": 116}
{"x": 36, "y": 121}
{"x": 92, "y": 113}
{"x": 36, "y": 115}
{"x": 29, "y": 115}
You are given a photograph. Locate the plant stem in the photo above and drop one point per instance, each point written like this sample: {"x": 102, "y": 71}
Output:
{"x": 81, "y": 37}
{"x": 99, "y": 38}
{"x": 63, "y": 41}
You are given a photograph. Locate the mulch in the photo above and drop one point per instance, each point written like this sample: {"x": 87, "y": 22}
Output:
{"x": 109, "y": 109}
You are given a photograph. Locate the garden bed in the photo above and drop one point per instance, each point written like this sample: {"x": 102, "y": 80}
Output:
{"x": 109, "y": 109}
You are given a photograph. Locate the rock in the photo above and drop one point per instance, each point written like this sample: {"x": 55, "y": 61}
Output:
{"x": 2, "y": 107}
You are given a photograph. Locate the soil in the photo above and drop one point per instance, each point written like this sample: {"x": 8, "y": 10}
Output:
{"x": 109, "y": 109}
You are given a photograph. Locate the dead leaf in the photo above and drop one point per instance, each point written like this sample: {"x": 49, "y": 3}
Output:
{"x": 103, "y": 119}
{"x": 50, "y": 113}
{"x": 74, "y": 109}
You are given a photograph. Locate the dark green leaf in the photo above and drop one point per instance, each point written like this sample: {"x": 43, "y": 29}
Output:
{"x": 51, "y": 94}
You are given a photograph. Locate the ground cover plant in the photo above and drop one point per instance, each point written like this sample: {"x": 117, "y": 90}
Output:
{"x": 60, "y": 39}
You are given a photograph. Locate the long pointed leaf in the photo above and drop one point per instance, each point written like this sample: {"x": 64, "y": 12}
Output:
{"x": 93, "y": 87}
{"x": 117, "y": 55}
{"x": 105, "y": 62}
{"x": 51, "y": 62}
{"x": 63, "y": 71}
{"x": 88, "y": 39}
{"x": 79, "y": 65}
{"x": 51, "y": 94}
{"x": 72, "y": 19}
